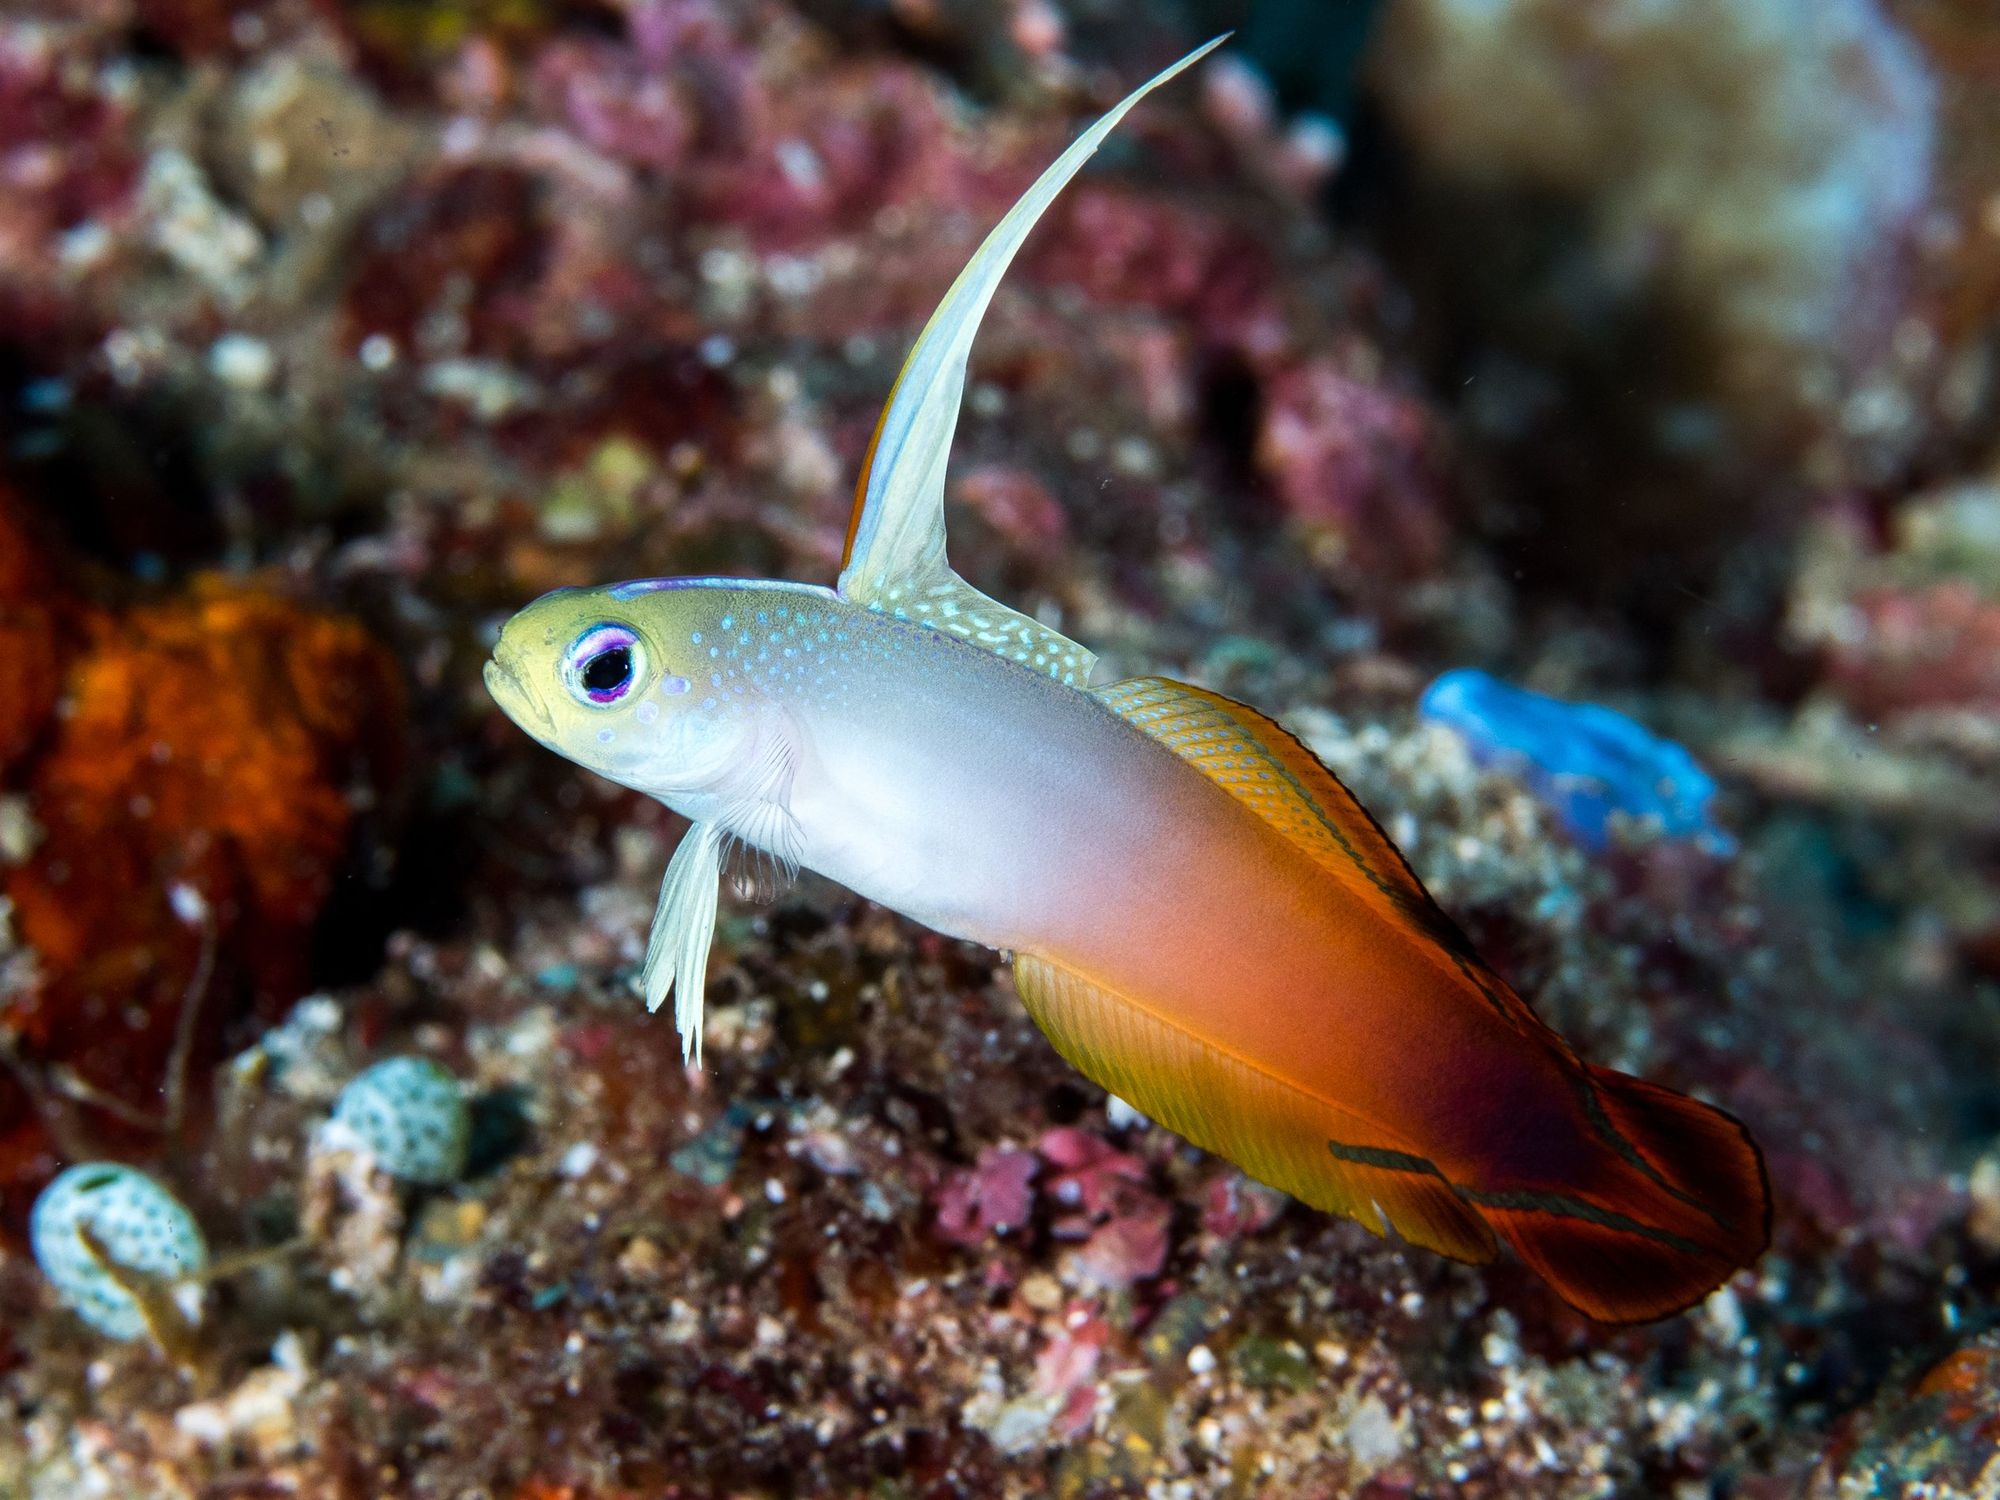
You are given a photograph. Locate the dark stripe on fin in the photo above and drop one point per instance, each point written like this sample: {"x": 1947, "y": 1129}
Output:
{"x": 1387, "y": 1161}
{"x": 1558, "y": 1204}
{"x": 1600, "y": 1123}
{"x": 1575, "y": 1208}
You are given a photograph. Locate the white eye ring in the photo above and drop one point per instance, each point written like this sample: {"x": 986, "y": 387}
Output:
{"x": 603, "y": 665}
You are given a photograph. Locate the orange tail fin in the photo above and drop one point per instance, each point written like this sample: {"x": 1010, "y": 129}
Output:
{"x": 1679, "y": 1205}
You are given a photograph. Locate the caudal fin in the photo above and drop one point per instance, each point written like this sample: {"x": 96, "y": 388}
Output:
{"x": 1679, "y": 1203}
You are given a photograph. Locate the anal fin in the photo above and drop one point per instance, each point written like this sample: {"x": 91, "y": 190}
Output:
{"x": 1290, "y": 1137}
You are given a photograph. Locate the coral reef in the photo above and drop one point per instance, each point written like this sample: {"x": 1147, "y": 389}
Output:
{"x": 331, "y": 334}
{"x": 1695, "y": 265}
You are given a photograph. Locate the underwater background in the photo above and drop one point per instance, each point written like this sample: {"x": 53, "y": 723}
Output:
{"x": 1578, "y": 420}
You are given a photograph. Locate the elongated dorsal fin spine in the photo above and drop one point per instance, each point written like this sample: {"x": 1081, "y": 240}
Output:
{"x": 894, "y": 560}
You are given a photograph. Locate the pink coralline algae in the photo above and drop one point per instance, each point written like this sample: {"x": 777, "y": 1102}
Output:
{"x": 1936, "y": 647}
{"x": 66, "y": 162}
{"x": 994, "y": 1197}
{"x": 1357, "y": 459}
{"x": 1095, "y": 1194}
{"x": 689, "y": 97}
{"x": 1067, "y": 1369}
{"x": 1234, "y": 1206}
{"x": 1016, "y": 504}
{"x": 617, "y": 102}
{"x": 1127, "y": 248}
{"x": 1090, "y": 1174}
{"x": 465, "y": 243}
{"x": 1101, "y": 1198}
{"x": 1128, "y": 1247}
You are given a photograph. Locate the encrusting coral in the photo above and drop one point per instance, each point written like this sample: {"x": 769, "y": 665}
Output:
{"x": 191, "y": 771}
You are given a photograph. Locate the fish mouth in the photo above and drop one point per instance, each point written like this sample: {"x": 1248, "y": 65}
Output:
{"x": 518, "y": 701}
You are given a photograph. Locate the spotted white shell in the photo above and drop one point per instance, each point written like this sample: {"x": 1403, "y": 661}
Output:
{"x": 138, "y": 1225}
{"x": 411, "y": 1115}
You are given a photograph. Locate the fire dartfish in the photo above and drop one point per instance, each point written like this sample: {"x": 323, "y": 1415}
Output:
{"x": 1202, "y": 918}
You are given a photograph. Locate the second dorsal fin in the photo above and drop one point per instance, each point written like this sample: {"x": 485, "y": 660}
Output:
{"x": 941, "y": 599}
{"x": 1257, "y": 762}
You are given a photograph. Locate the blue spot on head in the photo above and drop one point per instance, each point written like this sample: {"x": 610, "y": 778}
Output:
{"x": 1586, "y": 762}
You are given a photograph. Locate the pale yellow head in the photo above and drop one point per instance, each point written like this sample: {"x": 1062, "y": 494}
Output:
{"x": 617, "y": 679}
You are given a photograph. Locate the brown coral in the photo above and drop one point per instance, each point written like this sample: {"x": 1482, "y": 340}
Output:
{"x": 195, "y": 793}
{"x": 31, "y": 637}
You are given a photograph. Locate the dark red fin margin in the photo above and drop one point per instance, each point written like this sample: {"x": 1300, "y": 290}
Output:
{"x": 1636, "y": 1250}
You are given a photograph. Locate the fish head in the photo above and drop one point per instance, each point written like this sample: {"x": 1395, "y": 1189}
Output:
{"x": 619, "y": 680}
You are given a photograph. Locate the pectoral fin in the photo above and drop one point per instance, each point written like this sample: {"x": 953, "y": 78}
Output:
{"x": 683, "y": 929}
{"x": 895, "y": 558}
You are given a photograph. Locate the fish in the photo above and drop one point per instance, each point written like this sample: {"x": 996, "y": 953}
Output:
{"x": 1200, "y": 916}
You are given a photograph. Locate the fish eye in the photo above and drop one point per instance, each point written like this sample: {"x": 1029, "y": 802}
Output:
{"x": 603, "y": 664}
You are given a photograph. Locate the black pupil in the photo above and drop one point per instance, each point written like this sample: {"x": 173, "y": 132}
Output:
{"x": 608, "y": 671}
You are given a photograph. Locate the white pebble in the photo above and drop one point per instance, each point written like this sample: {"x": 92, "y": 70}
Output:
{"x": 188, "y": 903}
{"x": 378, "y": 353}
{"x": 243, "y": 362}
